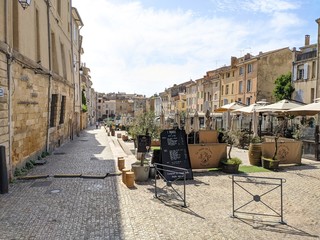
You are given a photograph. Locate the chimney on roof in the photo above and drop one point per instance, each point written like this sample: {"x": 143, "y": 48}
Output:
{"x": 247, "y": 56}
{"x": 233, "y": 61}
{"x": 307, "y": 40}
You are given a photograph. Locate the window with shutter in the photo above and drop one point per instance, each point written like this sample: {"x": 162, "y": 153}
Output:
{"x": 294, "y": 73}
{"x": 305, "y": 73}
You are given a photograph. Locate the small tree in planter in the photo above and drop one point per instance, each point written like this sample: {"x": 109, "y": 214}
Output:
{"x": 273, "y": 163}
{"x": 231, "y": 165}
{"x": 144, "y": 125}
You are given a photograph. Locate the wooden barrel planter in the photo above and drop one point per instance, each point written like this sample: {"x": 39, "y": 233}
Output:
{"x": 130, "y": 179}
{"x": 124, "y": 176}
{"x": 121, "y": 163}
{"x": 255, "y": 154}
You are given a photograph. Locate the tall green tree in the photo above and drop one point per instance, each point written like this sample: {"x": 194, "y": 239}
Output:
{"x": 283, "y": 87}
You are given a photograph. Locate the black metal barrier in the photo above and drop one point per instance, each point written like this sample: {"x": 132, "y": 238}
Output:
{"x": 4, "y": 183}
{"x": 160, "y": 170}
{"x": 262, "y": 187}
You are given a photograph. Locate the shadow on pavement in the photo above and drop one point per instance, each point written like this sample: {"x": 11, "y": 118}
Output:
{"x": 276, "y": 227}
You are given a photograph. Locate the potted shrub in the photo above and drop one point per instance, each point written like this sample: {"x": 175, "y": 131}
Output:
{"x": 272, "y": 163}
{"x": 231, "y": 165}
{"x": 141, "y": 169}
{"x": 144, "y": 122}
{"x": 255, "y": 151}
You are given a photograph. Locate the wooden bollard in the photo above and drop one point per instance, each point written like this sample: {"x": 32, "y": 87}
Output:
{"x": 124, "y": 171}
{"x": 130, "y": 179}
{"x": 121, "y": 163}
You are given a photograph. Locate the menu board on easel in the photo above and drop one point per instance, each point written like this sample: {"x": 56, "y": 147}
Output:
{"x": 174, "y": 152}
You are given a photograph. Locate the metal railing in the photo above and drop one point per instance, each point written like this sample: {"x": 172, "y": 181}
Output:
{"x": 273, "y": 184}
{"x": 161, "y": 171}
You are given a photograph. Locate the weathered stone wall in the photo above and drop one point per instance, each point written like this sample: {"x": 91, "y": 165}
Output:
{"x": 29, "y": 114}
{"x": 62, "y": 132}
{"x": 270, "y": 67}
{"x": 4, "y": 128}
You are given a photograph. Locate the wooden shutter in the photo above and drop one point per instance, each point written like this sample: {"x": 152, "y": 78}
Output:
{"x": 294, "y": 73}
{"x": 305, "y": 71}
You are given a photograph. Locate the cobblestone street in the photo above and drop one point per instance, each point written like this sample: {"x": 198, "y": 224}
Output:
{"x": 93, "y": 208}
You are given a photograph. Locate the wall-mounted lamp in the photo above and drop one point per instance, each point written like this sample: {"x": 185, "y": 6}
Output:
{"x": 25, "y": 3}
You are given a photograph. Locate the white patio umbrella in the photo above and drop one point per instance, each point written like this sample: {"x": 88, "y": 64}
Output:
{"x": 177, "y": 118}
{"x": 309, "y": 109}
{"x": 188, "y": 123}
{"x": 196, "y": 122}
{"x": 162, "y": 120}
{"x": 252, "y": 110}
{"x": 248, "y": 109}
{"x": 195, "y": 125}
{"x": 228, "y": 108}
{"x": 280, "y": 107}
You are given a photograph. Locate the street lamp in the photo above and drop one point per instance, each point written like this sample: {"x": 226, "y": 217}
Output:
{"x": 25, "y": 3}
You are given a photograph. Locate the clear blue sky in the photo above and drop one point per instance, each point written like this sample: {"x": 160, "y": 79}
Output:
{"x": 145, "y": 46}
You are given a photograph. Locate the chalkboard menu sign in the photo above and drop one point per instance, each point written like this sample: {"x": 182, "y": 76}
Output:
{"x": 144, "y": 143}
{"x": 174, "y": 152}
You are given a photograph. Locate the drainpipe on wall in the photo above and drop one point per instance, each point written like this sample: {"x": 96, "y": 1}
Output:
{"x": 9, "y": 76}
{"x": 318, "y": 60}
{"x": 74, "y": 118}
{"x": 50, "y": 74}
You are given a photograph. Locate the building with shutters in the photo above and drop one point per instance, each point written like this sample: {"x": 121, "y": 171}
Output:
{"x": 304, "y": 75}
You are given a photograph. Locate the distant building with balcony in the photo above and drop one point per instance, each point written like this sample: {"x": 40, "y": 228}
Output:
{"x": 304, "y": 76}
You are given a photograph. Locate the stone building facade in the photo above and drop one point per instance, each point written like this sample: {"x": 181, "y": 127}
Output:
{"x": 304, "y": 76}
{"x": 251, "y": 78}
{"x": 38, "y": 77}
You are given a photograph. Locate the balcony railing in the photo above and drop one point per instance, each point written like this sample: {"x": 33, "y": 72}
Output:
{"x": 307, "y": 55}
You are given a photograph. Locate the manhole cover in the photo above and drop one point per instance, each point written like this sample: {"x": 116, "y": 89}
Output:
{"x": 41, "y": 184}
{"x": 84, "y": 140}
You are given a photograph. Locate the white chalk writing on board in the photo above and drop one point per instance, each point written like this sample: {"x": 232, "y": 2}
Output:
{"x": 174, "y": 155}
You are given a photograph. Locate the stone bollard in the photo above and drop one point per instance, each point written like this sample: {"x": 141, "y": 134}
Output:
{"x": 124, "y": 171}
{"x": 130, "y": 179}
{"x": 121, "y": 163}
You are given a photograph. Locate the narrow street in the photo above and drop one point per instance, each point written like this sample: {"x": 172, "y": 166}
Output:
{"x": 104, "y": 208}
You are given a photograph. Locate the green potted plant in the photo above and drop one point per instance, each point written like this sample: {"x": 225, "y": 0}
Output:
{"x": 141, "y": 169}
{"x": 142, "y": 125}
{"x": 231, "y": 165}
{"x": 272, "y": 163}
{"x": 255, "y": 152}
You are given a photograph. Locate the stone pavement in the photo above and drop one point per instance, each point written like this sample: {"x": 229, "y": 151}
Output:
{"x": 84, "y": 208}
